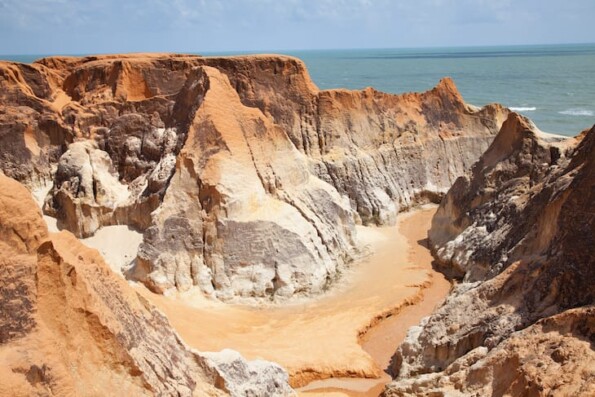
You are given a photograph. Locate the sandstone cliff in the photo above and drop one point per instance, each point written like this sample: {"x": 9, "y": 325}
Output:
{"x": 520, "y": 232}
{"x": 70, "y": 327}
{"x": 245, "y": 178}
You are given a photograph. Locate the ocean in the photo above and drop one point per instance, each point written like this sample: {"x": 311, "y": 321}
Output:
{"x": 554, "y": 85}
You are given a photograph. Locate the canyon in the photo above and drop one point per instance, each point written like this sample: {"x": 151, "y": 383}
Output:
{"x": 258, "y": 213}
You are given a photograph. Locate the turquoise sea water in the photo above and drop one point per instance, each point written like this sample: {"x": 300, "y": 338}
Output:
{"x": 554, "y": 85}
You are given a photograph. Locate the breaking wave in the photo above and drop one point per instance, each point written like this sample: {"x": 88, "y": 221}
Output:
{"x": 577, "y": 112}
{"x": 523, "y": 109}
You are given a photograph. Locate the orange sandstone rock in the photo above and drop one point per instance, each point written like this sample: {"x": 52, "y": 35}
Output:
{"x": 69, "y": 326}
{"x": 244, "y": 177}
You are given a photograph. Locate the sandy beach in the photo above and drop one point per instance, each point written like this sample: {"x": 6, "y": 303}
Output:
{"x": 350, "y": 332}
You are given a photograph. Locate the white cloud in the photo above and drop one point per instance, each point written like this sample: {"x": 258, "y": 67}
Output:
{"x": 248, "y": 24}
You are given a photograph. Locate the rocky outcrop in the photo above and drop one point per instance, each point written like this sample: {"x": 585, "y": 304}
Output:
{"x": 383, "y": 151}
{"x": 33, "y": 136}
{"x": 553, "y": 357}
{"x": 245, "y": 179}
{"x": 519, "y": 231}
{"x": 254, "y": 220}
{"x": 239, "y": 377}
{"x": 69, "y": 326}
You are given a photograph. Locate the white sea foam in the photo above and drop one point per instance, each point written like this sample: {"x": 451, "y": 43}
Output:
{"x": 578, "y": 112}
{"x": 523, "y": 109}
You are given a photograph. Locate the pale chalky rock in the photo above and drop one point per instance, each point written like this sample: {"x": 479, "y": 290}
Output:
{"x": 243, "y": 378}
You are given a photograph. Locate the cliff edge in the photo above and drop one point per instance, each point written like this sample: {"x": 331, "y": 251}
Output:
{"x": 519, "y": 233}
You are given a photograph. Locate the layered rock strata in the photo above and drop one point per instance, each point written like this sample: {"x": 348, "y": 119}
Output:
{"x": 70, "y": 327}
{"x": 245, "y": 178}
{"x": 519, "y": 232}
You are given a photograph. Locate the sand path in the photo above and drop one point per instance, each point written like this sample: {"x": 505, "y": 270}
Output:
{"x": 382, "y": 339}
{"x": 321, "y": 338}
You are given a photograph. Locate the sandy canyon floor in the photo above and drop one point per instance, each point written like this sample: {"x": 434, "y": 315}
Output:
{"x": 350, "y": 332}
{"x": 338, "y": 344}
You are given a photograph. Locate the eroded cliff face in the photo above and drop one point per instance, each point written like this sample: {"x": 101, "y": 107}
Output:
{"x": 520, "y": 232}
{"x": 70, "y": 327}
{"x": 245, "y": 178}
{"x": 385, "y": 152}
{"x": 259, "y": 222}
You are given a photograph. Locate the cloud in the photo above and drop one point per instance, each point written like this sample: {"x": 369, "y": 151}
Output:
{"x": 204, "y": 10}
{"x": 195, "y": 25}
{"x": 43, "y": 14}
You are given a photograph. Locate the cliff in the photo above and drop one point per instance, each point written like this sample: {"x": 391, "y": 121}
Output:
{"x": 519, "y": 232}
{"x": 70, "y": 327}
{"x": 245, "y": 179}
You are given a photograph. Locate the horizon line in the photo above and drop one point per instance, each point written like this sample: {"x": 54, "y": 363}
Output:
{"x": 279, "y": 51}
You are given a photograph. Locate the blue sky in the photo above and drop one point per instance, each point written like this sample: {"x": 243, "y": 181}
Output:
{"x": 101, "y": 26}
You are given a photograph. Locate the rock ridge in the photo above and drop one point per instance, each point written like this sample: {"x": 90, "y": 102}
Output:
{"x": 518, "y": 232}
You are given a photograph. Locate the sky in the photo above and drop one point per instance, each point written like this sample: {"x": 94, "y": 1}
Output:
{"x": 116, "y": 26}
